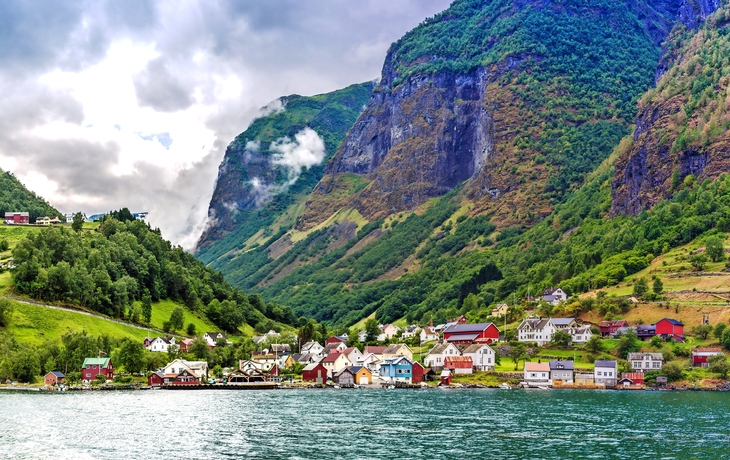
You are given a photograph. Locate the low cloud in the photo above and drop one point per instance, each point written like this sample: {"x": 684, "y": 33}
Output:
{"x": 306, "y": 150}
{"x": 157, "y": 88}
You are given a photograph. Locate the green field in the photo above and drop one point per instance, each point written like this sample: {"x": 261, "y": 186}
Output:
{"x": 36, "y": 325}
{"x": 161, "y": 312}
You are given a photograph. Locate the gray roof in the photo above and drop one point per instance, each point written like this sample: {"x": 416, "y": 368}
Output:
{"x": 562, "y": 321}
{"x": 556, "y": 365}
{"x": 466, "y": 328}
{"x": 438, "y": 348}
{"x": 473, "y": 348}
{"x": 534, "y": 323}
{"x": 310, "y": 367}
{"x": 392, "y": 348}
{"x": 605, "y": 363}
{"x": 461, "y": 337}
{"x": 640, "y": 356}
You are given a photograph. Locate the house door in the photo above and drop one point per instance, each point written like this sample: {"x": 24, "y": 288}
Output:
{"x": 363, "y": 380}
{"x": 319, "y": 377}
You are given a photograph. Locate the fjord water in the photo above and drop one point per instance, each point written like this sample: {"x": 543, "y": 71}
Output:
{"x": 365, "y": 424}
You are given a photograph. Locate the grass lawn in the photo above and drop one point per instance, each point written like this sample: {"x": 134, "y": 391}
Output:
{"x": 6, "y": 281}
{"x": 162, "y": 310}
{"x": 36, "y": 325}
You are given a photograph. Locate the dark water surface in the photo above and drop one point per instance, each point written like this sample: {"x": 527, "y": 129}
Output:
{"x": 365, "y": 424}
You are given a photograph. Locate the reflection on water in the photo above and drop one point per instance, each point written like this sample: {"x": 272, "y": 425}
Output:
{"x": 365, "y": 424}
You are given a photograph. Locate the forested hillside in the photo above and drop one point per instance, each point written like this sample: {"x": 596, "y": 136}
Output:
{"x": 14, "y": 197}
{"x": 108, "y": 269}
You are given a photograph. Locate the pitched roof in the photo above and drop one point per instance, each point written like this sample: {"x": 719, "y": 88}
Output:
{"x": 331, "y": 358}
{"x": 550, "y": 291}
{"x": 103, "y": 362}
{"x": 310, "y": 367}
{"x": 562, "y": 321}
{"x": 356, "y": 369}
{"x": 473, "y": 348}
{"x": 216, "y": 335}
{"x": 559, "y": 364}
{"x": 636, "y": 356}
{"x": 58, "y": 374}
{"x": 534, "y": 323}
{"x": 375, "y": 349}
{"x": 458, "y": 359}
{"x": 671, "y": 320}
{"x": 466, "y": 328}
{"x": 707, "y": 350}
{"x": 460, "y": 337}
{"x": 438, "y": 349}
{"x": 605, "y": 363}
{"x": 536, "y": 367}
{"x": 394, "y": 348}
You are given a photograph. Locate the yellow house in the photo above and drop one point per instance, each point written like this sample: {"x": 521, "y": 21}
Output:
{"x": 396, "y": 350}
{"x": 500, "y": 310}
{"x": 289, "y": 361}
{"x": 363, "y": 376}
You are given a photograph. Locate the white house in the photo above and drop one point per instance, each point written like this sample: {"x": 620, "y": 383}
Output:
{"x": 539, "y": 330}
{"x": 428, "y": 335}
{"x": 313, "y": 348}
{"x": 199, "y": 368}
{"x": 335, "y": 362}
{"x": 161, "y": 344}
{"x": 371, "y": 361}
{"x": 411, "y": 331}
{"x": 438, "y": 354}
{"x": 537, "y": 374}
{"x": 213, "y": 337}
{"x": 352, "y": 353}
{"x": 645, "y": 362}
{"x": 581, "y": 334}
{"x": 554, "y": 295}
{"x": 389, "y": 330}
{"x": 606, "y": 373}
{"x": 482, "y": 355}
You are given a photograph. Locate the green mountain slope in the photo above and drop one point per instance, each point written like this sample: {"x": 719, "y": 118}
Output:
{"x": 15, "y": 197}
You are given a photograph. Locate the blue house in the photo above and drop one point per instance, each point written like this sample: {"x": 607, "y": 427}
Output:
{"x": 398, "y": 369}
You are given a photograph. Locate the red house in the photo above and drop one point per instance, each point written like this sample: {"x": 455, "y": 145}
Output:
{"x": 95, "y": 366}
{"x": 701, "y": 355}
{"x": 459, "y": 364}
{"x": 418, "y": 373}
{"x": 54, "y": 378}
{"x": 669, "y": 327}
{"x": 315, "y": 373}
{"x": 335, "y": 339}
{"x": 631, "y": 378}
{"x": 609, "y": 328}
{"x": 185, "y": 345}
{"x": 469, "y": 333}
{"x": 445, "y": 377}
{"x": 17, "y": 218}
{"x": 156, "y": 379}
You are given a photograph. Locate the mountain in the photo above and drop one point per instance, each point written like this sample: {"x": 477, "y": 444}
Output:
{"x": 683, "y": 127}
{"x": 15, "y": 197}
{"x": 260, "y": 177}
{"x": 481, "y": 168}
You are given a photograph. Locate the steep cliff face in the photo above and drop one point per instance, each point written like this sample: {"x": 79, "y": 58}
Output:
{"x": 495, "y": 93}
{"x": 682, "y": 127}
{"x": 276, "y": 162}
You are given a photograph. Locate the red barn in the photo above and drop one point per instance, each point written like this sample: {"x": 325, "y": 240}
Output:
{"x": 95, "y": 366}
{"x": 17, "y": 218}
{"x": 445, "y": 377}
{"x": 631, "y": 378}
{"x": 669, "y": 327}
{"x": 418, "y": 373}
{"x": 459, "y": 364}
{"x": 468, "y": 333}
{"x": 609, "y": 328}
{"x": 315, "y": 373}
{"x": 156, "y": 379}
{"x": 701, "y": 355}
{"x": 335, "y": 339}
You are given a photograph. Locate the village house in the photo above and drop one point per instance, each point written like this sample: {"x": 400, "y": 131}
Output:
{"x": 554, "y": 296}
{"x": 410, "y": 331}
{"x": 584, "y": 379}
{"x": 287, "y": 361}
{"x": 428, "y": 335}
{"x": 95, "y": 366}
{"x": 390, "y": 330}
{"x": 362, "y": 336}
{"x": 198, "y": 369}
{"x": 308, "y": 358}
{"x": 482, "y": 356}
{"x": 580, "y": 334}
{"x": 645, "y": 331}
{"x": 631, "y": 378}
{"x": 336, "y": 339}
{"x": 185, "y": 345}
{"x": 47, "y": 220}
{"x": 270, "y": 336}
{"x": 371, "y": 362}
{"x": 335, "y": 362}
{"x": 564, "y": 324}
{"x": 156, "y": 379}
{"x": 161, "y": 344}
{"x": 561, "y": 370}
{"x": 247, "y": 365}
{"x": 315, "y": 372}
{"x": 609, "y": 328}
{"x": 54, "y": 378}
{"x": 213, "y": 337}
{"x": 500, "y": 310}
{"x": 438, "y": 353}
{"x": 185, "y": 377}
{"x": 396, "y": 350}
{"x": 398, "y": 369}
{"x": 537, "y": 330}
{"x": 700, "y": 356}
{"x": 353, "y": 354}
{"x": 605, "y": 373}
{"x": 670, "y": 329}
{"x": 459, "y": 365}
{"x": 265, "y": 361}
{"x": 467, "y": 334}
{"x": 334, "y": 347}
{"x": 537, "y": 374}
{"x": 279, "y": 348}
{"x": 645, "y": 362}
{"x": 363, "y": 376}
{"x": 312, "y": 347}
{"x": 17, "y": 218}
{"x": 418, "y": 372}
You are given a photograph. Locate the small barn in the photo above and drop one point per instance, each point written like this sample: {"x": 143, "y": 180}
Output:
{"x": 459, "y": 364}
{"x": 156, "y": 379}
{"x": 54, "y": 378}
{"x": 315, "y": 372}
{"x": 445, "y": 377}
{"x": 345, "y": 377}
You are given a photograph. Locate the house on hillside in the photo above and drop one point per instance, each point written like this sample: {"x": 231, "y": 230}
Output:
{"x": 390, "y": 330}
{"x": 645, "y": 331}
{"x": 397, "y": 349}
{"x": 185, "y": 345}
{"x": 54, "y": 378}
{"x": 95, "y": 366}
{"x": 312, "y": 347}
{"x": 17, "y": 218}
{"x": 411, "y": 331}
{"x": 466, "y": 334}
{"x": 554, "y": 296}
{"x": 537, "y": 374}
{"x": 161, "y": 344}
{"x": 438, "y": 354}
{"x": 670, "y": 329}
{"x": 538, "y": 330}
{"x": 606, "y": 373}
{"x": 334, "y": 347}
{"x": 609, "y": 328}
{"x": 213, "y": 337}
{"x": 335, "y": 362}
{"x": 482, "y": 356}
{"x": 580, "y": 334}
{"x": 561, "y": 370}
{"x": 353, "y": 354}
{"x": 428, "y": 335}
{"x": 336, "y": 339}
{"x": 500, "y": 310}
{"x": 371, "y": 362}
{"x": 645, "y": 362}
{"x": 700, "y": 356}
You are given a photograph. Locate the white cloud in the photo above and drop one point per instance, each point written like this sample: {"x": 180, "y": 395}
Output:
{"x": 305, "y": 151}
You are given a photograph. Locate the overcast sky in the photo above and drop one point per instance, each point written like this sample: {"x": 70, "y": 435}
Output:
{"x": 109, "y": 104}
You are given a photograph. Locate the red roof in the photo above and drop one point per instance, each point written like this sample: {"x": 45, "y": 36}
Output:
{"x": 331, "y": 358}
{"x": 376, "y": 350}
{"x": 707, "y": 350}
{"x": 459, "y": 359}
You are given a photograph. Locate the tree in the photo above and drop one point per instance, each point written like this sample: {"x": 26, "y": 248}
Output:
{"x": 199, "y": 348}
{"x": 173, "y": 352}
{"x": 561, "y": 338}
{"x": 656, "y": 342}
{"x": 640, "y": 287}
{"x": 714, "y": 249}
{"x": 725, "y": 339}
{"x": 176, "y": 319}
{"x": 658, "y": 286}
{"x": 306, "y": 333}
{"x": 719, "y": 365}
{"x": 217, "y": 371}
{"x": 6, "y": 310}
{"x": 26, "y": 365}
{"x": 517, "y": 353}
{"x": 190, "y": 329}
{"x": 673, "y": 371}
{"x": 4, "y": 245}
{"x": 627, "y": 343}
{"x": 245, "y": 348}
{"x": 719, "y": 328}
{"x": 698, "y": 261}
{"x": 594, "y": 344}
{"x": 78, "y": 222}
{"x": 702, "y": 331}
{"x": 147, "y": 307}
{"x": 131, "y": 356}
{"x": 372, "y": 330}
